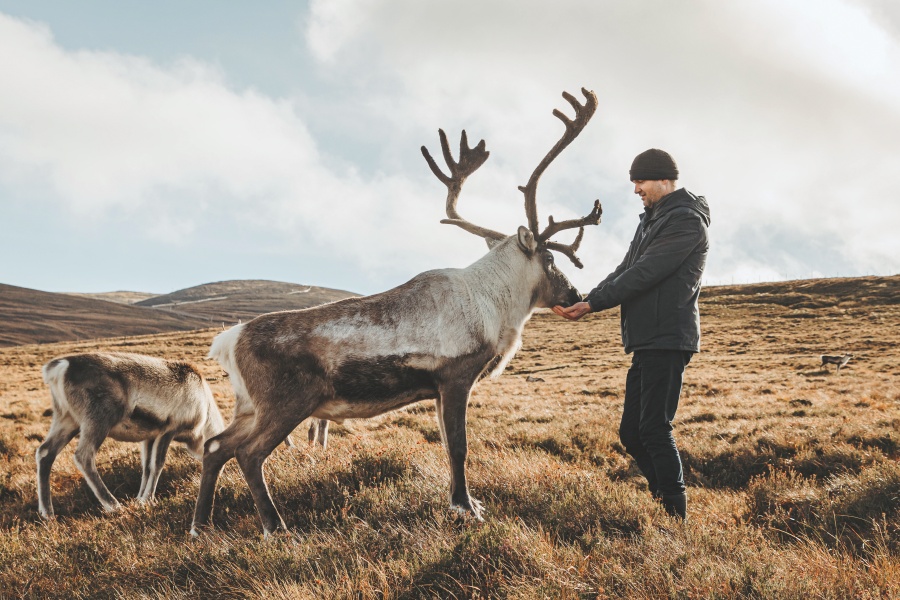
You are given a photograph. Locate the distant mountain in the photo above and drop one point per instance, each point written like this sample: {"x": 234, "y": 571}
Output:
{"x": 31, "y": 316}
{"x": 241, "y": 300}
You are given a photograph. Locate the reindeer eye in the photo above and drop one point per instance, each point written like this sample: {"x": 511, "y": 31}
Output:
{"x": 548, "y": 257}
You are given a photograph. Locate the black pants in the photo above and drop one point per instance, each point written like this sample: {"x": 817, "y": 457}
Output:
{"x": 652, "y": 390}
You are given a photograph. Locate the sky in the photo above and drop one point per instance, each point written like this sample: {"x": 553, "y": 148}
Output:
{"x": 156, "y": 146}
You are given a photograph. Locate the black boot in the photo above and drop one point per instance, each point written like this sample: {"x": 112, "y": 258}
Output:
{"x": 676, "y": 506}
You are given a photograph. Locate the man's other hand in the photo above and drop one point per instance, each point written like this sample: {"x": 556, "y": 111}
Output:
{"x": 574, "y": 312}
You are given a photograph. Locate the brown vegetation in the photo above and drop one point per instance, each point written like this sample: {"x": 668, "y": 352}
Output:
{"x": 35, "y": 317}
{"x": 793, "y": 472}
{"x": 122, "y": 297}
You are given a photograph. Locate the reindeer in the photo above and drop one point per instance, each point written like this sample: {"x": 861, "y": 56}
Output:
{"x": 128, "y": 397}
{"x": 840, "y": 360}
{"x": 433, "y": 337}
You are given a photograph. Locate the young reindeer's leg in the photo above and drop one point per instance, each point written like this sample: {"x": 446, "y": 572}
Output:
{"x": 217, "y": 451}
{"x": 451, "y": 410}
{"x": 268, "y": 431}
{"x": 146, "y": 457}
{"x": 92, "y": 435}
{"x": 62, "y": 430}
{"x": 155, "y": 462}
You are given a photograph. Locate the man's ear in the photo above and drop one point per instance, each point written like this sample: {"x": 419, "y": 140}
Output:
{"x": 526, "y": 240}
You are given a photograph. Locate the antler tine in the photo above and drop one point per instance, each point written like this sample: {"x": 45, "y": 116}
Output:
{"x": 433, "y": 165}
{"x": 592, "y": 218}
{"x": 569, "y": 249}
{"x": 469, "y": 161}
{"x": 583, "y": 114}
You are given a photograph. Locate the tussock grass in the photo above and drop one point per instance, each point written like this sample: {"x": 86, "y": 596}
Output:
{"x": 793, "y": 473}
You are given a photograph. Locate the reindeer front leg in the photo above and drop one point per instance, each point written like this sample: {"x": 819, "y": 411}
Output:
{"x": 451, "y": 409}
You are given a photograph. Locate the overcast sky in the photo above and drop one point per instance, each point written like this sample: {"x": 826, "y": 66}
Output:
{"x": 156, "y": 146}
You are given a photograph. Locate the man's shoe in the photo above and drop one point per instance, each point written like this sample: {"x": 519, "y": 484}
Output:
{"x": 676, "y": 506}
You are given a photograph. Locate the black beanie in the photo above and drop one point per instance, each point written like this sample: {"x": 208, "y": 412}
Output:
{"x": 653, "y": 165}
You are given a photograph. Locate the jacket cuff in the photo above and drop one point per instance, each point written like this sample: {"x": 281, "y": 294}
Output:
{"x": 594, "y": 301}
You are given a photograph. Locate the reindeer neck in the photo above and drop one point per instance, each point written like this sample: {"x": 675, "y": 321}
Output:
{"x": 500, "y": 283}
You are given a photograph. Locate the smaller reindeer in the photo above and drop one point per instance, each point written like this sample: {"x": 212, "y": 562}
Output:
{"x": 130, "y": 398}
{"x": 840, "y": 360}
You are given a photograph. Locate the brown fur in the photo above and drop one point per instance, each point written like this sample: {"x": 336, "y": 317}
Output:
{"x": 127, "y": 397}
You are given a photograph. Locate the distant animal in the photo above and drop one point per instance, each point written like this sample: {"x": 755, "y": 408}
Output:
{"x": 128, "y": 397}
{"x": 318, "y": 432}
{"x": 432, "y": 337}
{"x": 839, "y": 360}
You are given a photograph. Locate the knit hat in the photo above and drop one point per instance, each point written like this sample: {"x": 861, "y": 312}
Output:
{"x": 653, "y": 165}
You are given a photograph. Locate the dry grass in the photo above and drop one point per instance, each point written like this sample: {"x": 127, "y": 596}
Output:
{"x": 793, "y": 472}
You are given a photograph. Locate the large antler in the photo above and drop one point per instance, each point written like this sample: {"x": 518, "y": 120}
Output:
{"x": 593, "y": 218}
{"x": 469, "y": 160}
{"x": 583, "y": 114}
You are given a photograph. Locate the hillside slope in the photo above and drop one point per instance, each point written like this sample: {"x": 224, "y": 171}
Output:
{"x": 241, "y": 300}
{"x": 31, "y": 316}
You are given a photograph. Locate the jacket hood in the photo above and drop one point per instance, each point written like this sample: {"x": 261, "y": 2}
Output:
{"x": 681, "y": 198}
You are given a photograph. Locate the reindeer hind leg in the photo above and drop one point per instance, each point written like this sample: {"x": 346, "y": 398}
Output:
{"x": 62, "y": 430}
{"x": 268, "y": 432}
{"x": 217, "y": 451}
{"x": 156, "y": 461}
{"x": 92, "y": 436}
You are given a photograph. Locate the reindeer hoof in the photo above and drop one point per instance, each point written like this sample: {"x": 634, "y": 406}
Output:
{"x": 197, "y": 531}
{"x": 278, "y": 533}
{"x": 472, "y": 509}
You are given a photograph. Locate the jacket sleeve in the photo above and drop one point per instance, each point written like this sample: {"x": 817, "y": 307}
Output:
{"x": 672, "y": 245}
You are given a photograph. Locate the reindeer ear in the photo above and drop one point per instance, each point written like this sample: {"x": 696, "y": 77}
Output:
{"x": 526, "y": 241}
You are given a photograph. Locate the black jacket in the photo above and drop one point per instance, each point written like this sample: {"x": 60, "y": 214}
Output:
{"x": 658, "y": 283}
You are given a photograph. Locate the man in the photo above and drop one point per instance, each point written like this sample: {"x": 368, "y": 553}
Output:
{"x": 657, "y": 287}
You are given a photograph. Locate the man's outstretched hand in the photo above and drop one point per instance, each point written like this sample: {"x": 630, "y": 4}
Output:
{"x": 574, "y": 312}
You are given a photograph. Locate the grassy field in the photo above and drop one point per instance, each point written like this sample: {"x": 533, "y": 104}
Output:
{"x": 793, "y": 473}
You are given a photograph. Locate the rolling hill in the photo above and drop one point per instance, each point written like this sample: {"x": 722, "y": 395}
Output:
{"x": 34, "y": 317}
{"x": 241, "y": 300}
{"x": 30, "y": 316}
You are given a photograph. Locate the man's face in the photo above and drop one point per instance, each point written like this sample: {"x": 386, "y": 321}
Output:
{"x": 652, "y": 190}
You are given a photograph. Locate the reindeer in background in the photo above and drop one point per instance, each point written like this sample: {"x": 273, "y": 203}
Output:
{"x": 433, "y": 337}
{"x": 128, "y": 397}
{"x": 840, "y": 360}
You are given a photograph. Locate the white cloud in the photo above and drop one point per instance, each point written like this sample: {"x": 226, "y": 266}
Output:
{"x": 167, "y": 146}
{"x": 784, "y": 117}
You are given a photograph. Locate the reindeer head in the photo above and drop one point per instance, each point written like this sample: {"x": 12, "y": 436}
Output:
{"x": 553, "y": 287}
